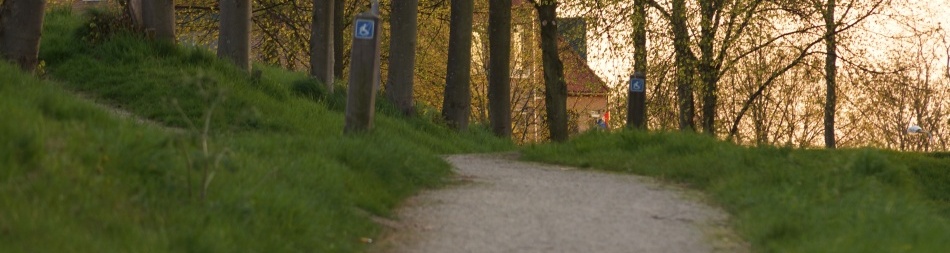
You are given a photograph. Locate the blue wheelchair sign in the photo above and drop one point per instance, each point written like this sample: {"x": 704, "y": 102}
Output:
{"x": 365, "y": 29}
{"x": 637, "y": 84}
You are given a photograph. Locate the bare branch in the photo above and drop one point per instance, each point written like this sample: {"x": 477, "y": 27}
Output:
{"x": 657, "y": 6}
{"x": 748, "y": 103}
{"x": 765, "y": 44}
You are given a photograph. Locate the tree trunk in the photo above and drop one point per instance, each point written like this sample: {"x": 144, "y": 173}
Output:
{"x": 830, "y": 73}
{"x": 21, "y": 26}
{"x": 133, "y": 8}
{"x": 402, "y": 54}
{"x": 685, "y": 61}
{"x": 639, "y": 52}
{"x": 640, "y": 36}
{"x": 708, "y": 72}
{"x": 555, "y": 95}
{"x": 235, "y": 32}
{"x": 338, "y": 28}
{"x": 321, "y": 43}
{"x": 456, "y": 104}
{"x": 499, "y": 64}
{"x": 158, "y": 19}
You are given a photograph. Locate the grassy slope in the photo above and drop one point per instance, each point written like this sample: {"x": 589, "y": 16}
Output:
{"x": 787, "y": 200}
{"x": 77, "y": 179}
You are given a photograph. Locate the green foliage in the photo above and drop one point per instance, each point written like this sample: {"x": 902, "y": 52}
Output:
{"x": 105, "y": 23}
{"x": 273, "y": 173}
{"x": 282, "y": 28}
{"x": 788, "y": 200}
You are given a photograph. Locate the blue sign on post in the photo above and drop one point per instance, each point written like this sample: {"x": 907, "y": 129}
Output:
{"x": 365, "y": 29}
{"x": 637, "y": 84}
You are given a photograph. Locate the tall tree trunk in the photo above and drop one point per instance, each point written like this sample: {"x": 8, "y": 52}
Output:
{"x": 321, "y": 43}
{"x": 21, "y": 26}
{"x": 338, "y": 28}
{"x": 402, "y": 54}
{"x": 555, "y": 89}
{"x": 133, "y": 8}
{"x": 708, "y": 71}
{"x": 158, "y": 19}
{"x": 499, "y": 64}
{"x": 831, "y": 44}
{"x": 640, "y": 36}
{"x": 639, "y": 50}
{"x": 685, "y": 62}
{"x": 235, "y": 32}
{"x": 456, "y": 104}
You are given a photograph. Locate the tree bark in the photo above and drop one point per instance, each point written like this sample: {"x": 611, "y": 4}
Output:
{"x": 685, "y": 61}
{"x": 831, "y": 44}
{"x": 640, "y": 36}
{"x": 338, "y": 28}
{"x": 133, "y": 8}
{"x": 402, "y": 54}
{"x": 456, "y": 104}
{"x": 21, "y": 26}
{"x": 321, "y": 43}
{"x": 639, "y": 53}
{"x": 158, "y": 19}
{"x": 708, "y": 71}
{"x": 555, "y": 95}
{"x": 499, "y": 64}
{"x": 235, "y": 32}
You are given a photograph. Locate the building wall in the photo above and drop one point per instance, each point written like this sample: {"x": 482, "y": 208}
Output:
{"x": 587, "y": 110}
{"x": 527, "y": 80}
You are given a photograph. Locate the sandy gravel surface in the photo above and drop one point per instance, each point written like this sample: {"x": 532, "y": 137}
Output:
{"x": 504, "y": 205}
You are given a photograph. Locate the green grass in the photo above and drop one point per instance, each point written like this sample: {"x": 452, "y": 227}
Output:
{"x": 788, "y": 200}
{"x": 278, "y": 174}
{"x": 78, "y": 179}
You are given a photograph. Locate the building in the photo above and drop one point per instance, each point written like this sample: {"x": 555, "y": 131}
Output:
{"x": 587, "y": 92}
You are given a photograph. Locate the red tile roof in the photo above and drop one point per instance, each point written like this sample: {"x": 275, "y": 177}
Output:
{"x": 580, "y": 79}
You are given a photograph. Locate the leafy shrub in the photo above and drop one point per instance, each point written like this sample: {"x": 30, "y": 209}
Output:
{"x": 103, "y": 23}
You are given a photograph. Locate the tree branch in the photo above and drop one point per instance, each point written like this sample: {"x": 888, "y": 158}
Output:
{"x": 733, "y": 34}
{"x": 765, "y": 44}
{"x": 761, "y": 89}
{"x": 655, "y": 5}
{"x": 213, "y": 7}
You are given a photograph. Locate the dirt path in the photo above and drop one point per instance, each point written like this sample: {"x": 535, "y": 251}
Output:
{"x": 512, "y": 206}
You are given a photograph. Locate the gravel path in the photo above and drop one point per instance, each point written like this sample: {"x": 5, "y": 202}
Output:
{"x": 504, "y": 205}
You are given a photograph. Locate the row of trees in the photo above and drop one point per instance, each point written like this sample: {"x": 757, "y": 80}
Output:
{"x": 753, "y": 71}
{"x": 21, "y": 23}
{"x": 282, "y": 28}
{"x": 757, "y": 68}
{"x": 722, "y": 26}
{"x": 731, "y": 64}
{"x": 457, "y": 96}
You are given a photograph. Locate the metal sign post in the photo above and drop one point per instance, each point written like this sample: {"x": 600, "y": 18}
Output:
{"x": 364, "y": 66}
{"x": 636, "y": 101}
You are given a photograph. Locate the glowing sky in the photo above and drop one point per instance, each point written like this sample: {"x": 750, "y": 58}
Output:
{"x": 615, "y": 65}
